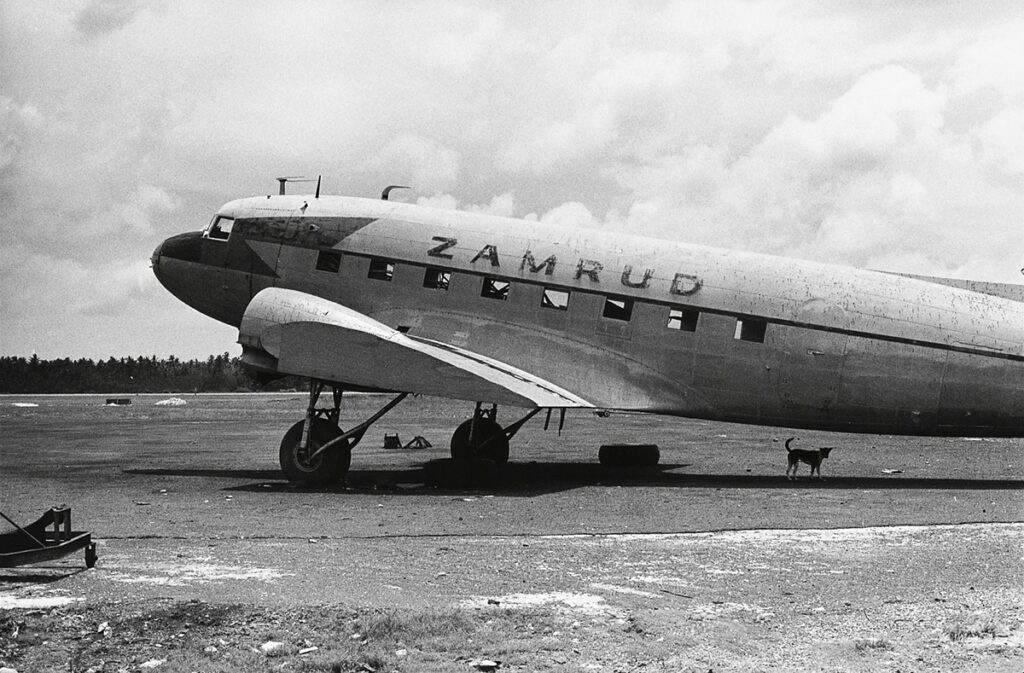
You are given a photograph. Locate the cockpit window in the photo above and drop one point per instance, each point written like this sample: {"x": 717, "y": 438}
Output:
{"x": 220, "y": 228}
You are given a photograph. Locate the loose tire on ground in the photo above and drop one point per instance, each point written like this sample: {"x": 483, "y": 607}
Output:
{"x": 629, "y": 455}
{"x": 489, "y": 442}
{"x": 328, "y": 467}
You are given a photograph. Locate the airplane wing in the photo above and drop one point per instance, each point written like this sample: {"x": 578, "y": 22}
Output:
{"x": 309, "y": 336}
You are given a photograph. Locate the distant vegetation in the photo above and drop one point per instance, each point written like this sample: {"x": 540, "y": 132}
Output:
{"x": 218, "y": 373}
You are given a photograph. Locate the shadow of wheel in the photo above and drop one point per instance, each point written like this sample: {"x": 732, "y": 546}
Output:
{"x": 326, "y": 468}
{"x": 629, "y": 455}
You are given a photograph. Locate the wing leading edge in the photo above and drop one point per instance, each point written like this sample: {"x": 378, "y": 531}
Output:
{"x": 309, "y": 336}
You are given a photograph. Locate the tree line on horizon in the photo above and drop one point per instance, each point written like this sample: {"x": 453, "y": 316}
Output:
{"x": 217, "y": 374}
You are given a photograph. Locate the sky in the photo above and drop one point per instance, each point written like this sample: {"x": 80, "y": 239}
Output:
{"x": 876, "y": 134}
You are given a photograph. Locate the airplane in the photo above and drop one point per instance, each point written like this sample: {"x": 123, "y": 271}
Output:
{"x": 371, "y": 294}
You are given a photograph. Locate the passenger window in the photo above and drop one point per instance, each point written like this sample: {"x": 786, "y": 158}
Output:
{"x": 556, "y": 299}
{"x": 221, "y": 228}
{"x": 328, "y": 260}
{"x": 618, "y": 309}
{"x": 381, "y": 269}
{"x": 750, "y": 329}
{"x": 437, "y": 279}
{"x": 683, "y": 319}
{"x": 495, "y": 289}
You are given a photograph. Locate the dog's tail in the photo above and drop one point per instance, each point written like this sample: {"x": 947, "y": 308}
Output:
{"x": 787, "y": 443}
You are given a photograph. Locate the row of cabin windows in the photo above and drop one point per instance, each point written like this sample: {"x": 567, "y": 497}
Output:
{"x": 615, "y": 308}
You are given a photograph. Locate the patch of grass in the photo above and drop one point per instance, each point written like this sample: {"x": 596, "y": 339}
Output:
{"x": 981, "y": 626}
{"x": 390, "y": 625}
{"x": 195, "y": 636}
{"x": 864, "y": 645}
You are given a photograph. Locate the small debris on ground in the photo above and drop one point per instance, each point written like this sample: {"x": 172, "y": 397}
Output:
{"x": 271, "y": 646}
{"x": 172, "y": 402}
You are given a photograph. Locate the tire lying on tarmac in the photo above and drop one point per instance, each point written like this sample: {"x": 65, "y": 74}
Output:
{"x": 629, "y": 455}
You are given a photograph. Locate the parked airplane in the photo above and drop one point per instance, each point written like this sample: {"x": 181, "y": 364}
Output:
{"x": 371, "y": 294}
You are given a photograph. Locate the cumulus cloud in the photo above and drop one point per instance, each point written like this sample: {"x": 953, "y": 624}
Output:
{"x": 105, "y": 16}
{"x": 878, "y": 136}
{"x": 421, "y": 162}
{"x": 17, "y": 120}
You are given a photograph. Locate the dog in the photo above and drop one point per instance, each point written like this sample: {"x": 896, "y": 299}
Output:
{"x": 812, "y": 457}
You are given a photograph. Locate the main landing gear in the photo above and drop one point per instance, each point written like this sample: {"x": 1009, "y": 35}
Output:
{"x": 317, "y": 451}
{"x": 482, "y": 438}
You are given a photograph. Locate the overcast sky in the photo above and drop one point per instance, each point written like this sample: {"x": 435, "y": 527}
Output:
{"x": 883, "y": 134}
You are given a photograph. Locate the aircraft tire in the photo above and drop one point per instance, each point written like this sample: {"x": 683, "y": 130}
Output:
{"x": 629, "y": 455}
{"x": 495, "y": 449}
{"x": 328, "y": 467}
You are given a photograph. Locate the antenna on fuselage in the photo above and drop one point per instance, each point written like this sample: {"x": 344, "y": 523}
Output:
{"x": 317, "y": 195}
{"x": 387, "y": 191}
{"x": 296, "y": 178}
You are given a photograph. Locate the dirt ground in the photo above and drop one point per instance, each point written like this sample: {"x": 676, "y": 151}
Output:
{"x": 906, "y": 557}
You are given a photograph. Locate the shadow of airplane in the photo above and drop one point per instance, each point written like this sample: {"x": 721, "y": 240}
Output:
{"x": 537, "y": 478}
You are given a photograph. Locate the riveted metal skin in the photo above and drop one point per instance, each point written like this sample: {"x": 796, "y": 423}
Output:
{"x": 776, "y": 341}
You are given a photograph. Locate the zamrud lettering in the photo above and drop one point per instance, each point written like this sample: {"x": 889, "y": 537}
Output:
{"x": 684, "y": 283}
{"x": 487, "y": 252}
{"x": 590, "y": 268}
{"x": 529, "y": 262}
{"x": 627, "y": 271}
{"x": 439, "y": 250}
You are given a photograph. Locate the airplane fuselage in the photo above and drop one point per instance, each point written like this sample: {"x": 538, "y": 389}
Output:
{"x": 631, "y": 323}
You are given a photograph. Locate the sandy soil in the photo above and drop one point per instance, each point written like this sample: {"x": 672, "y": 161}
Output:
{"x": 906, "y": 557}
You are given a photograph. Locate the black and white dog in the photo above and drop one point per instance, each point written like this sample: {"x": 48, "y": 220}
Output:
{"x": 812, "y": 457}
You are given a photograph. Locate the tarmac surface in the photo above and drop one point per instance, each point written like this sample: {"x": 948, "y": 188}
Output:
{"x": 726, "y": 564}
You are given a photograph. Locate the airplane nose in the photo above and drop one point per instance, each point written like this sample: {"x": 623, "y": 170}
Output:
{"x": 185, "y": 247}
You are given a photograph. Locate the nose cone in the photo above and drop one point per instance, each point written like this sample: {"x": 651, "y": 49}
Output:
{"x": 183, "y": 247}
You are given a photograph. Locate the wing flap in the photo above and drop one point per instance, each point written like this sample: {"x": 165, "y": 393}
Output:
{"x": 314, "y": 337}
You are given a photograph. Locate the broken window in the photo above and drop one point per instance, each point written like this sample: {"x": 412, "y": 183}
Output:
{"x": 381, "y": 269}
{"x": 437, "y": 279}
{"x": 618, "y": 309}
{"x": 683, "y": 319}
{"x": 750, "y": 329}
{"x": 556, "y": 299}
{"x": 495, "y": 289}
{"x": 221, "y": 228}
{"x": 328, "y": 260}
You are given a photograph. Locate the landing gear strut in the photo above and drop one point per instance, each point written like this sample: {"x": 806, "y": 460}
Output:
{"x": 315, "y": 450}
{"x": 482, "y": 438}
